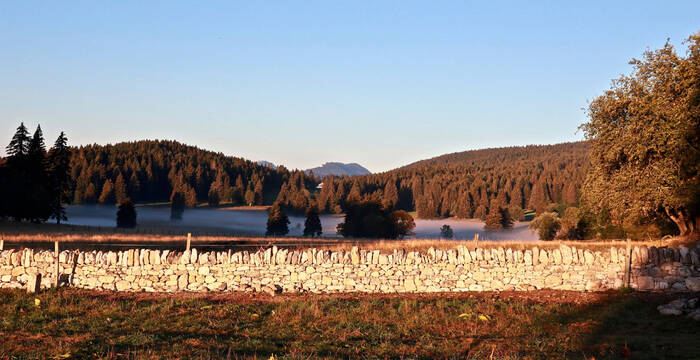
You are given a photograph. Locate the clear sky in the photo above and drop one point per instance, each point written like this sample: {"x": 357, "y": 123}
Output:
{"x": 380, "y": 83}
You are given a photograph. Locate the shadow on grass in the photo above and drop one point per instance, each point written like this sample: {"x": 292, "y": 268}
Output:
{"x": 625, "y": 324}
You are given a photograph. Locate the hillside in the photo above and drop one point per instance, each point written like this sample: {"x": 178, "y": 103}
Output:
{"x": 467, "y": 184}
{"x": 471, "y": 183}
{"x": 150, "y": 170}
{"x": 502, "y": 154}
{"x": 339, "y": 169}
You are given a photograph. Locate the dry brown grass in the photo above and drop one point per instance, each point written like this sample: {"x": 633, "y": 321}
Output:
{"x": 41, "y": 233}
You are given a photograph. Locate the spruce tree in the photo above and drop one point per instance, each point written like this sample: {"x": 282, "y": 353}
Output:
{"x": 494, "y": 220}
{"x": 19, "y": 145}
{"x": 59, "y": 162}
{"x": 126, "y": 215}
{"x": 177, "y": 205}
{"x": 15, "y": 185}
{"x": 107, "y": 194}
{"x": 38, "y": 197}
{"x": 498, "y": 218}
{"x": 312, "y": 225}
{"x": 120, "y": 189}
{"x": 391, "y": 194}
{"x": 277, "y": 221}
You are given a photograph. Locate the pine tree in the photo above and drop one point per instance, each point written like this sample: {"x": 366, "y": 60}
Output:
{"x": 134, "y": 186}
{"x": 312, "y": 225}
{"x": 391, "y": 194}
{"x": 277, "y": 221}
{"x": 249, "y": 197}
{"x": 258, "y": 193}
{"x": 59, "y": 162}
{"x": 39, "y": 195}
{"x": 16, "y": 187}
{"x": 569, "y": 195}
{"x": 19, "y": 145}
{"x": 126, "y": 215}
{"x": 494, "y": 220}
{"x": 355, "y": 195}
{"x": 498, "y": 218}
{"x": 516, "y": 198}
{"x": 177, "y": 205}
{"x": 107, "y": 194}
{"x": 120, "y": 189}
{"x": 539, "y": 198}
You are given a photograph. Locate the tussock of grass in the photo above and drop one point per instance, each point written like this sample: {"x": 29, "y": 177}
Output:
{"x": 545, "y": 324}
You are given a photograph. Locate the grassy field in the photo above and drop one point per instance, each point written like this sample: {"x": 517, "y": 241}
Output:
{"x": 23, "y": 234}
{"x": 72, "y": 323}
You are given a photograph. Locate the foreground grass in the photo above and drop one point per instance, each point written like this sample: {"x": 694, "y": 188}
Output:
{"x": 539, "y": 325}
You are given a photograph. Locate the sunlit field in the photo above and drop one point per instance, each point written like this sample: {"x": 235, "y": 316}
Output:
{"x": 509, "y": 325}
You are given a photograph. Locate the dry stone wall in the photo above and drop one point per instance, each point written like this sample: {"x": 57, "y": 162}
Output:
{"x": 321, "y": 271}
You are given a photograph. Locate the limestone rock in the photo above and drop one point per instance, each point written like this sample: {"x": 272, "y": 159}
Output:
{"x": 645, "y": 283}
{"x": 693, "y": 283}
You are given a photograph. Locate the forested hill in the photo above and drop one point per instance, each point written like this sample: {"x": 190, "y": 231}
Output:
{"x": 467, "y": 184}
{"x": 504, "y": 154}
{"x": 152, "y": 170}
{"x": 472, "y": 183}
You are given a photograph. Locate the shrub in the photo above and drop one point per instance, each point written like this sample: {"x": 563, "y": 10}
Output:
{"x": 446, "y": 232}
{"x": 369, "y": 219}
{"x": 546, "y": 225}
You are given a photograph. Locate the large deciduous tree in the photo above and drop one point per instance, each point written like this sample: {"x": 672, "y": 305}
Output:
{"x": 645, "y": 137}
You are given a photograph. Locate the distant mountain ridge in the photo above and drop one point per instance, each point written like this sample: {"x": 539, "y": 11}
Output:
{"x": 339, "y": 169}
{"x": 266, "y": 163}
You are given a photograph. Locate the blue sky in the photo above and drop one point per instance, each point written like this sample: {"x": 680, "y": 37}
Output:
{"x": 300, "y": 83}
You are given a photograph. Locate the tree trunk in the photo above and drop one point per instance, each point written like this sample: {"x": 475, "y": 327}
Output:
{"x": 685, "y": 225}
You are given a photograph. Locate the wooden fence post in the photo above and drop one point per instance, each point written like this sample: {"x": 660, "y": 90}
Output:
{"x": 476, "y": 241}
{"x": 628, "y": 263}
{"x": 58, "y": 265}
{"x": 2, "y": 244}
{"x": 189, "y": 241}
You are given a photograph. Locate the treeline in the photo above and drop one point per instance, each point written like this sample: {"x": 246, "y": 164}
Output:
{"x": 157, "y": 171}
{"x": 471, "y": 184}
{"x": 34, "y": 183}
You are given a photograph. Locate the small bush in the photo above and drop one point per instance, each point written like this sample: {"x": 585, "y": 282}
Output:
{"x": 546, "y": 225}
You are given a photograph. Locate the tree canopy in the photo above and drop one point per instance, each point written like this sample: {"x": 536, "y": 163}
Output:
{"x": 644, "y": 135}
{"x": 369, "y": 219}
{"x": 471, "y": 183}
{"x": 31, "y": 184}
